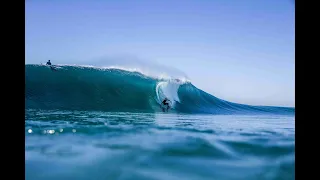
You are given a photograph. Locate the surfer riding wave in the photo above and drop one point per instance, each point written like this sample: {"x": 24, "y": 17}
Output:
{"x": 165, "y": 103}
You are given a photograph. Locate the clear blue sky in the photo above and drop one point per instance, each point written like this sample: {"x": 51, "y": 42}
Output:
{"x": 241, "y": 50}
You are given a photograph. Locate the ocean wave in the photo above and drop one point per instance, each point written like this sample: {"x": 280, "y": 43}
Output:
{"x": 112, "y": 88}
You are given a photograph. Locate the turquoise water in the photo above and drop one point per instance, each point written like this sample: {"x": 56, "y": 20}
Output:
{"x": 101, "y": 89}
{"x": 100, "y": 145}
{"x": 106, "y": 123}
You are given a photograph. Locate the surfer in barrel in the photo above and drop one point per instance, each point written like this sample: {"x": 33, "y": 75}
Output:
{"x": 165, "y": 102}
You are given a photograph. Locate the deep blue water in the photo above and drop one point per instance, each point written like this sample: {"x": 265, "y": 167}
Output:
{"x": 91, "y": 123}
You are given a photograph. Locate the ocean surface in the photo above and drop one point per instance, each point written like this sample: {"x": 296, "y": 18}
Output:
{"x": 86, "y": 122}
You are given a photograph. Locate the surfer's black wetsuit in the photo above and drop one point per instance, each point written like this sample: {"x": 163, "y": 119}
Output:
{"x": 49, "y": 63}
{"x": 164, "y": 102}
{"x": 51, "y": 67}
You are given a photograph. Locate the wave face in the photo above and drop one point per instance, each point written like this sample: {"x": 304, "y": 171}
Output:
{"x": 109, "y": 89}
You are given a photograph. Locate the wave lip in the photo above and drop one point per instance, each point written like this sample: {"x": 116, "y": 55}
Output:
{"x": 75, "y": 87}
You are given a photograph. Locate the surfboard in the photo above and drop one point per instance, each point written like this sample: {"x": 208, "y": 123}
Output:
{"x": 53, "y": 68}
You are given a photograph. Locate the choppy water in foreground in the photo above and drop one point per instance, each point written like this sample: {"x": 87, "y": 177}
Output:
{"x": 110, "y": 145}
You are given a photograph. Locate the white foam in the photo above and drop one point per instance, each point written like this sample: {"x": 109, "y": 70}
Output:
{"x": 169, "y": 90}
{"x": 158, "y": 76}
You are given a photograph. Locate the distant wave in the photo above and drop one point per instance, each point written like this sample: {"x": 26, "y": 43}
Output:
{"x": 74, "y": 87}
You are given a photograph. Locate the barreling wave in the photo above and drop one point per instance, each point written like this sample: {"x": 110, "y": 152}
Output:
{"x": 116, "y": 89}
